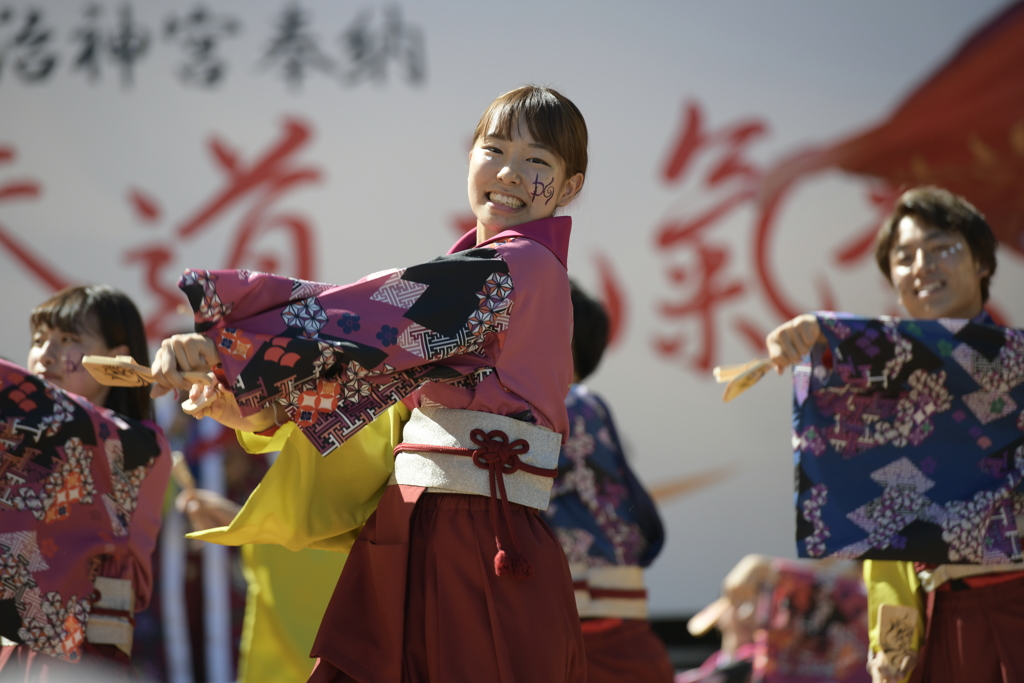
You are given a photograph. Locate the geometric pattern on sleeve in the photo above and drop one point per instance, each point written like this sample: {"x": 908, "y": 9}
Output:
{"x": 909, "y": 441}
{"x": 339, "y": 358}
{"x": 398, "y": 292}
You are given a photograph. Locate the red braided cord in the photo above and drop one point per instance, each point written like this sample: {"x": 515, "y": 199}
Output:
{"x": 499, "y": 457}
{"x": 470, "y": 452}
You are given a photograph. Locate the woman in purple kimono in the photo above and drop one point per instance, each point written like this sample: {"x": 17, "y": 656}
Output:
{"x": 83, "y": 473}
{"x": 455, "y": 577}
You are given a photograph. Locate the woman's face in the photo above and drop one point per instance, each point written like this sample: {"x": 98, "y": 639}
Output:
{"x": 56, "y": 356}
{"x": 515, "y": 181}
{"x": 934, "y": 273}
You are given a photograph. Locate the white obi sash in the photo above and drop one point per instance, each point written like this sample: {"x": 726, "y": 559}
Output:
{"x": 616, "y": 591}
{"x": 462, "y": 448}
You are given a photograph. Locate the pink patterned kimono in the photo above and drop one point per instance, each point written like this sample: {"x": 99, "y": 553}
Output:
{"x": 484, "y": 328}
{"x": 81, "y": 494}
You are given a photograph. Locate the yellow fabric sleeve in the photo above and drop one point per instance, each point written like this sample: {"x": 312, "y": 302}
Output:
{"x": 309, "y": 501}
{"x": 893, "y": 583}
{"x": 287, "y": 598}
{"x": 255, "y": 444}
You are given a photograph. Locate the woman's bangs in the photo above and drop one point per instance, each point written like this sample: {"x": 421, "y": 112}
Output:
{"x": 67, "y": 311}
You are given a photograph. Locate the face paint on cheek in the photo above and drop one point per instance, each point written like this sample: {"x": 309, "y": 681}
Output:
{"x": 951, "y": 251}
{"x": 541, "y": 190}
{"x": 73, "y": 362}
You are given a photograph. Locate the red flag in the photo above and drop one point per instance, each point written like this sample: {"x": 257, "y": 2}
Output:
{"x": 962, "y": 129}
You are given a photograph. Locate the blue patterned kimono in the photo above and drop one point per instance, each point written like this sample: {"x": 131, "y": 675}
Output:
{"x": 909, "y": 441}
{"x": 599, "y": 511}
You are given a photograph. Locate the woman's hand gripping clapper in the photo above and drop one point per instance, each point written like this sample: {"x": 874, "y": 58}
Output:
{"x": 178, "y": 354}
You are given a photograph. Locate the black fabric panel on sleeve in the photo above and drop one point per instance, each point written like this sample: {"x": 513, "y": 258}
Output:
{"x": 367, "y": 356}
{"x": 10, "y": 620}
{"x": 194, "y": 292}
{"x": 453, "y": 282}
{"x": 985, "y": 339}
{"x": 140, "y": 444}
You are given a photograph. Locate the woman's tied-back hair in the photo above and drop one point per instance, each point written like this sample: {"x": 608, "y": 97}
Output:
{"x": 590, "y": 327}
{"x": 938, "y": 208}
{"x": 551, "y": 118}
{"x": 111, "y": 315}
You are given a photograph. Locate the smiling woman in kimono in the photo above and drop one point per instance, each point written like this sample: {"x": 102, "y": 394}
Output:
{"x": 455, "y": 577}
{"x": 85, "y": 471}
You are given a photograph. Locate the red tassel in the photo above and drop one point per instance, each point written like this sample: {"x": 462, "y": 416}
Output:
{"x": 502, "y": 565}
{"x": 512, "y": 564}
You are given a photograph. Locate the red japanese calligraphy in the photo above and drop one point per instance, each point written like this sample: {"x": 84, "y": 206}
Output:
{"x": 882, "y": 199}
{"x": 717, "y": 178}
{"x": 711, "y": 293}
{"x": 854, "y": 251}
{"x": 160, "y": 279}
{"x": 693, "y": 138}
{"x": 34, "y": 263}
{"x": 261, "y": 184}
{"x": 731, "y": 180}
{"x": 613, "y": 298}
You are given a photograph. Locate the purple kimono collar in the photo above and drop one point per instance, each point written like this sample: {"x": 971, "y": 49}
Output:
{"x": 552, "y": 232}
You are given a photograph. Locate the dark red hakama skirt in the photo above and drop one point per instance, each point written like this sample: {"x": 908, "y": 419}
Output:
{"x": 974, "y": 635}
{"x": 625, "y": 651}
{"x": 419, "y": 600}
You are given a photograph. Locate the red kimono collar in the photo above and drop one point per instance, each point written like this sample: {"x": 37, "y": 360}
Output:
{"x": 552, "y": 232}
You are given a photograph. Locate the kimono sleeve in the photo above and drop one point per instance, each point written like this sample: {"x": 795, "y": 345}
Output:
{"x": 907, "y": 440}
{"x": 346, "y": 489}
{"x": 640, "y": 502}
{"x": 288, "y": 595}
{"x": 337, "y": 357}
{"x": 141, "y": 471}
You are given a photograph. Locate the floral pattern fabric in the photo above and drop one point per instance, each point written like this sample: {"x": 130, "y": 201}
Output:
{"x": 336, "y": 357}
{"x": 909, "y": 441}
{"x": 599, "y": 511}
{"x": 70, "y": 479}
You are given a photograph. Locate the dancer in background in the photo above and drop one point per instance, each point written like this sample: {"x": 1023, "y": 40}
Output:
{"x": 85, "y": 472}
{"x": 939, "y": 254}
{"x": 606, "y": 523}
{"x": 455, "y": 577}
{"x": 799, "y": 620}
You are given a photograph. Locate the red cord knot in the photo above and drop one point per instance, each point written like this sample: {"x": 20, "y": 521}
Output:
{"x": 499, "y": 457}
{"x": 495, "y": 449}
